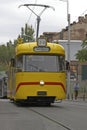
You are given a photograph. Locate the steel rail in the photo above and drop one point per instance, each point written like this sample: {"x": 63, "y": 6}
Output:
{"x": 53, "y": 120}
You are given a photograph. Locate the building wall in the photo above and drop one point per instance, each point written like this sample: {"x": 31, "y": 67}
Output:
{"x": 78, "y": 31}
{"x": 75, "y": 46}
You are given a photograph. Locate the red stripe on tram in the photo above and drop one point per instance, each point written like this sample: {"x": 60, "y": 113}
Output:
{"x": 38, "y": 83}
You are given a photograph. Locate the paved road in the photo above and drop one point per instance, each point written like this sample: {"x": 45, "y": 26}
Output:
{"x": 68, "y": 115}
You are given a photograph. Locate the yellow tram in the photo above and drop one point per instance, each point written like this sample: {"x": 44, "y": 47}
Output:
{"x": 37, "y": 73}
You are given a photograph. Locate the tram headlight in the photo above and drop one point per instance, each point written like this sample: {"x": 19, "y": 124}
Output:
{"x": 42, "y": 82}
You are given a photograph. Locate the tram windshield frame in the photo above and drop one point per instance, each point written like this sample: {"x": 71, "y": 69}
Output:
{"x": 40, "y": 63}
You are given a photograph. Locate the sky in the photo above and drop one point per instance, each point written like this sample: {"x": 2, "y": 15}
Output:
{"x": 13, "y": 18}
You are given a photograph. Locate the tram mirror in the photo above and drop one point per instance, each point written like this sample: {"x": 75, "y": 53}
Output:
{"x": 67, "y": 65}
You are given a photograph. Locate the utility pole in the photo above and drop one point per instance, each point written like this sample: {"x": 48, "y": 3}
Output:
{"x": 68, "y": 48}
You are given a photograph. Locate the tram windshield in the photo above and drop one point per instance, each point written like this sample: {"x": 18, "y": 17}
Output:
{"x": 40, "y": 63}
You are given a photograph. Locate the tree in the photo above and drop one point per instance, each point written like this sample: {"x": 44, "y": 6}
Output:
{"x": 6, "y": 53}
{"x": 81, "y": 55}
{"x": 84, "y": 44}
{"x": 27, "y": 33}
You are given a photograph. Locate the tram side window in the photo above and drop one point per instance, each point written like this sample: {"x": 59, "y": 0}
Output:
{"x": 61, "y": 63}
{"x": 19, "y": 63}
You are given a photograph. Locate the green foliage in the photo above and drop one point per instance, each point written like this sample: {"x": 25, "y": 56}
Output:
{"x": 82, "y": 54}
{"x": 27, "y": 33}
{"x": 8, "y": 51}
{"x": 84, "y": 44}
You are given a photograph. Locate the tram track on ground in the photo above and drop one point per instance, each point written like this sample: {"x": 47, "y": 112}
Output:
{"x": 51, "y": 119}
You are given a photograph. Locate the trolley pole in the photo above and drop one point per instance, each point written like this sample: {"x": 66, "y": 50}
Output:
{"x": 38, "y": 16}
{"x": 38, "y": 24}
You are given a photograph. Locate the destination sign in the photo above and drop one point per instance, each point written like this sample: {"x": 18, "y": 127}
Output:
{"x": 41, "y": 49}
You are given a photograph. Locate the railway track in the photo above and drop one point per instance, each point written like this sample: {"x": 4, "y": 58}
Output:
{"x": 51, "y": 119}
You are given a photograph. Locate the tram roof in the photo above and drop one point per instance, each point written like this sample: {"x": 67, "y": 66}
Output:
{"x": 26, "y": 48}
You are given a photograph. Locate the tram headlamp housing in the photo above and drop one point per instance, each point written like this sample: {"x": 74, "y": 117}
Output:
{"x": 41, "y": 42}
{"x": 42, "y": 82}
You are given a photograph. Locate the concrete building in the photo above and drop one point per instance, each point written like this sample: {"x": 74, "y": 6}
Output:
{"x": 75, "y": 46}
{"x": 78, "y": 31}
